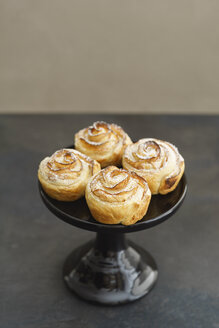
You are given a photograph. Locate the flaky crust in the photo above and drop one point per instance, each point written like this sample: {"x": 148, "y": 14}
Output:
{"x": 157, "y": 161}
{"x": 65, "y": 174}
{"x": 103, "y": 142}
{"x": 117, "y": 196}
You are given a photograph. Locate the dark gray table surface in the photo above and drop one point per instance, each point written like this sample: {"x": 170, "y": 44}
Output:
{"x": 34, "y": 243}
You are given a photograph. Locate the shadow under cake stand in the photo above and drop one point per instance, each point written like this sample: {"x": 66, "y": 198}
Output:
{"x": 110, "y": 269}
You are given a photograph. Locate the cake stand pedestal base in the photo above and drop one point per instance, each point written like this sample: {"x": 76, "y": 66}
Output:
{"x": 110, "y": 270}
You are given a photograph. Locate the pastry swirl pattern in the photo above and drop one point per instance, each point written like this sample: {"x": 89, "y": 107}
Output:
{"x": 158, "y": 162}
{"x": 103, "y": 142}
{"x": 117, "y": 196}
{"x": 64, "y": 175}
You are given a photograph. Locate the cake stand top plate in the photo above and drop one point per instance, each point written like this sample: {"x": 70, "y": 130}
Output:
{"x": 77, "y": 213}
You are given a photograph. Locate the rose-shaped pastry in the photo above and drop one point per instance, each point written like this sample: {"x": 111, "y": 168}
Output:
{"x": 103, "y": 142}
{"x": 157, "y": 161}
{"x": 65, "y": 174}
{"x": 116, "y": 196}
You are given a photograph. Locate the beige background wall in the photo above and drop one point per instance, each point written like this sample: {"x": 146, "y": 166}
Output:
{"x": 113, "y": 56}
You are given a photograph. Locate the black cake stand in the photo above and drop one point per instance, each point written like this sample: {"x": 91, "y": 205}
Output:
{"x": 110, "y": 269}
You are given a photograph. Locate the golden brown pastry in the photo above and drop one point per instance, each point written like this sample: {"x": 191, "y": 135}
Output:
{"x": 64, "y": 175}
{"x": 116, "y": 196}
{"x": 103, "y": 142}
{"x": 157, "y": 161}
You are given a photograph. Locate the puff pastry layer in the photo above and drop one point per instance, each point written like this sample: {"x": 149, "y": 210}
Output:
{"x": 65, "y": 174}
{"x": 157, "y": 161}
{"x": 103, "y": 142}
{"x": 116, "y": 196}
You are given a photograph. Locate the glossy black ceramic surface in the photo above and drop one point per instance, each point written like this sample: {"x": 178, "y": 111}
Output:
{"x": 110, "y": 270}
{"x": 77, "y": 213}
